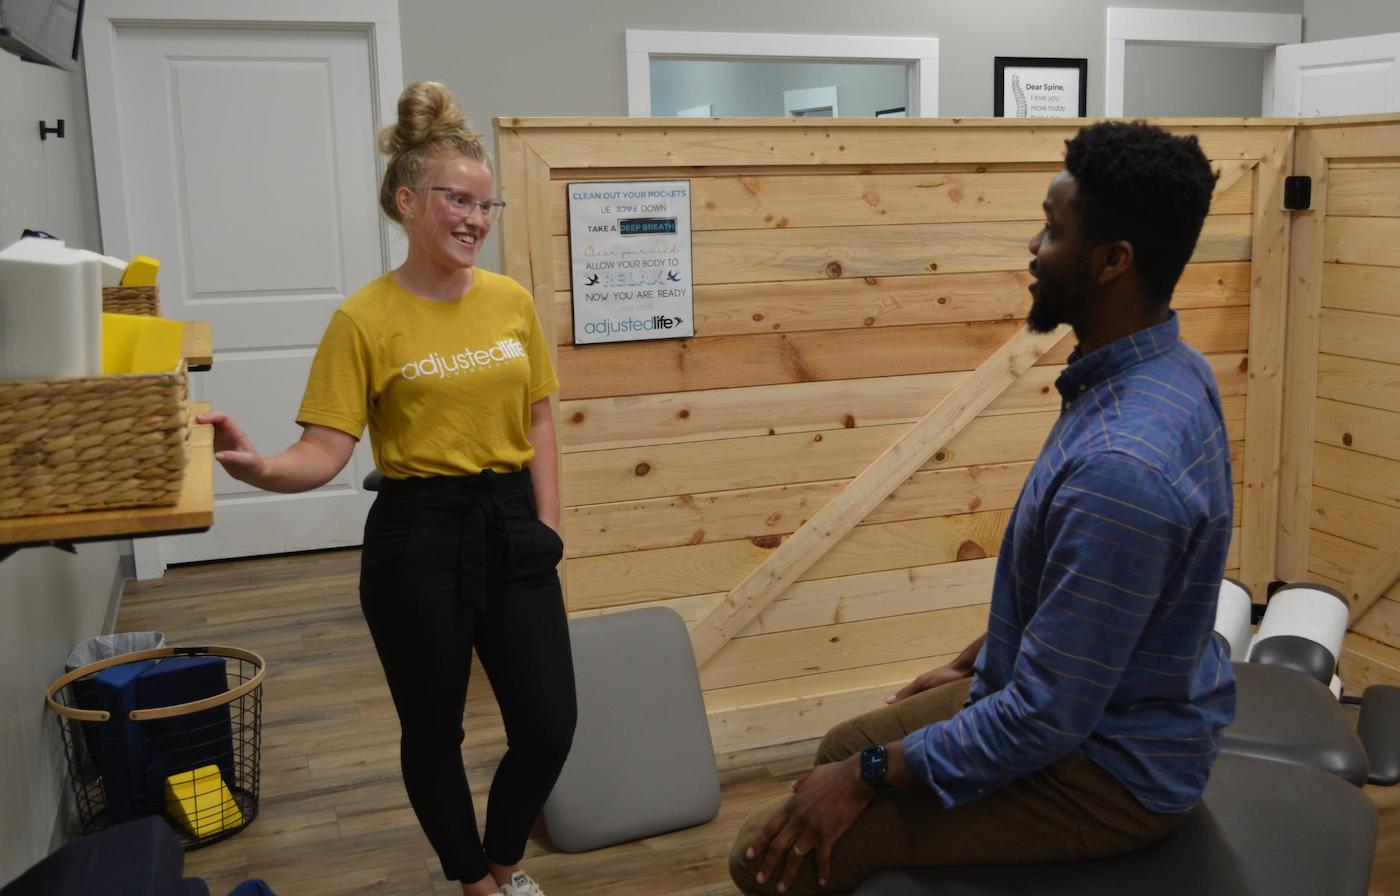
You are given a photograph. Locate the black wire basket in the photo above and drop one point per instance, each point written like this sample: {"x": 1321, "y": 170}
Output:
{"x": 173, "y": 731}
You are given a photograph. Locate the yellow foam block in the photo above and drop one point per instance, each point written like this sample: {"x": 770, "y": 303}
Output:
{"x": 200, "y": 800}
{"x": 141, "y": 271}
{"x": 138, "y": 343}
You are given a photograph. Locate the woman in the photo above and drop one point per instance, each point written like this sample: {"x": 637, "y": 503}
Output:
{"x": 447, "y": 366}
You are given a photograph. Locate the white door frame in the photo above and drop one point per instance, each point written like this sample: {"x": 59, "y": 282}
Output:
{"x": 919, "y": 53}
{"x": 1190, "y": 28}
{"x": 380, "y": 18}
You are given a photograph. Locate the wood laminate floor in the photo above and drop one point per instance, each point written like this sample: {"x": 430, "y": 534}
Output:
{"x": 333, "y": 816}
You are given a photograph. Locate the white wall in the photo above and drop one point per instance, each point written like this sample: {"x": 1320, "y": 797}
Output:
{"x": 1332, "y": 19}
{"x": 1165, "y": 81}
{"x": 49, "y": 600}
{"x": 45, "y": 184}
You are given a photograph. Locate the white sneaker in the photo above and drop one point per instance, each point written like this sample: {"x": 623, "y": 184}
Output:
{"x": 521, "y": 885}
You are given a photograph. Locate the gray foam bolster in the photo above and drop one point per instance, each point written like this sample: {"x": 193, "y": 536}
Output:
{"x": 1297, "y": 653}
{"x": 1379, "y": 727}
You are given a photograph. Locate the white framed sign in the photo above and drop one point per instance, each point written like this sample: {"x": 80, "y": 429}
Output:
{"x": 629, "y": 247}
{"x": 1035, "y": 87}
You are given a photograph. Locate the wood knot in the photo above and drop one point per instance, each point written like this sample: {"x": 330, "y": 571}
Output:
{"x": 833, "y": 270}
{"x": 940, "y": 456}
{"x": 767, "y": 542}
{"x": 782, "y": 222}
{"x": 757, "y": 317}
{"x": 933, "y": 265}
{"x": 848, "y": 421}
{"x": 1346, "y": 439}
{"x": 971, "y": 550}
{"x": 642, "y": 469}
{"x": 577, "y": 417}
{"x": 683, "y": 414}
{"x": 835, "y": 638}
{"x": 817, "y": 437}
{"x": 869, "y": 321}
{"x": 942, "y": 300}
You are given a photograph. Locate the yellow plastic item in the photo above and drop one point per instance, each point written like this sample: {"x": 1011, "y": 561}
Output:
{"x": 137, "y": 343}
{"x": 200, "y": 800}
{"x": 141, "y": 271}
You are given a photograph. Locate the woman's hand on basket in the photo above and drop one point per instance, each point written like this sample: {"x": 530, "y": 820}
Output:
{"x": 233, "y": 450}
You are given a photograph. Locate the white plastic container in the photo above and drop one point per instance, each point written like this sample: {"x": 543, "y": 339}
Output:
{"x": 112, "y": 268}
{"x": 50, "y": 311}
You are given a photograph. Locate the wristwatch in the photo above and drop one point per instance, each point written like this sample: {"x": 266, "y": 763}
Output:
{"x": 875, "y": 767}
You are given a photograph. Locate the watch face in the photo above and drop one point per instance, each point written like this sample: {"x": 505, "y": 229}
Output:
{"x": 874, "y": 765}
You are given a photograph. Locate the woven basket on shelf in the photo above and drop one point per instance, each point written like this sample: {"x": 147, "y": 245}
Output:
{"x": 92, "y": 443}
{"x": 131, "y": 300}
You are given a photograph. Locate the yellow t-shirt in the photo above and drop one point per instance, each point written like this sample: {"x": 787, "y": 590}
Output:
{"x": 444, "y": 387}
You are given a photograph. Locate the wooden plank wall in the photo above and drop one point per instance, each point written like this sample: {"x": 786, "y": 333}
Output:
{"x": 835, "y": 304}
{"x": 1354, "y": 386}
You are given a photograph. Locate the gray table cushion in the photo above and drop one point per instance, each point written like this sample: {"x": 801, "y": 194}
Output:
{"x": 1379, "y": 729}
{"x": 1284, "y": 715}
{"x": 642, "y": 762}
{"x": 1262, "y": 829}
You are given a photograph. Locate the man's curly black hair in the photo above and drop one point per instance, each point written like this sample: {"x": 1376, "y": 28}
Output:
{"x": 1140, "y": 184}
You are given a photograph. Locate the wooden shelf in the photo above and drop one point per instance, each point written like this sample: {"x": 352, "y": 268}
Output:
{"x": 193, "y": 513}
{"x": 198, "y": 345}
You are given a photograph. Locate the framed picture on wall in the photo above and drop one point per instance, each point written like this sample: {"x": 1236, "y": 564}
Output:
{"x": 1040, "y": 87}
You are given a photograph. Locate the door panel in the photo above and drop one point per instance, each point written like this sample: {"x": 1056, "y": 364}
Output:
{"x": 1353, "y": 76}
{"x": 250, "y": 173}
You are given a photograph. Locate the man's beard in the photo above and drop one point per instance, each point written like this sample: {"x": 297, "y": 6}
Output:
{"x": 1060, "y": 302}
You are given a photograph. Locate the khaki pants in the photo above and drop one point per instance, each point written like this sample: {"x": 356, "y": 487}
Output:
{"x": 1069, "y": 810}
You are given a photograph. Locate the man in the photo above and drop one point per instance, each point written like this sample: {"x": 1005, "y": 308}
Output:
{"x": 1085, "y": 722}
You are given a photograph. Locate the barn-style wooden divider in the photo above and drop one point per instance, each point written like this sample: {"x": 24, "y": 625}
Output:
{"x": 818, "y": 480}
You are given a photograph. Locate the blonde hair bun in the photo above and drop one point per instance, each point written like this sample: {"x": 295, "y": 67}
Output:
{"x": 427, "y": 114}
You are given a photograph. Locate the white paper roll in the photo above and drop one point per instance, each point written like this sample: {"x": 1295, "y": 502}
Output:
{"x": 50, "y": 311}
{"x": 1309, "y": 611}
{"x": 1232, "y": 617}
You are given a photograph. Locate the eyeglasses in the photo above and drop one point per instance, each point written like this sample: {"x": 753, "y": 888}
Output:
{"x": 466, "y": 203}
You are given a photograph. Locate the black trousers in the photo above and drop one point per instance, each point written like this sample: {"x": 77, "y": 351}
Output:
{"x": 449, "y": 564}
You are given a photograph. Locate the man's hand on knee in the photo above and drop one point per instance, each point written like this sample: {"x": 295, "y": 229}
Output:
{"x": 823, "y": 806}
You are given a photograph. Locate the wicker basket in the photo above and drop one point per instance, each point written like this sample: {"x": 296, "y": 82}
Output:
{"x": 93, "y": 443}
{"x": 131, "y": 300}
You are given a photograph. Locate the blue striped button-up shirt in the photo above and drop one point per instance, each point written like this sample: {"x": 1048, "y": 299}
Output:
{"x": 1099, "y": 635}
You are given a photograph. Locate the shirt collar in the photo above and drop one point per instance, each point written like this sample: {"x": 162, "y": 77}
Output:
{"x": 1086, "y": 371}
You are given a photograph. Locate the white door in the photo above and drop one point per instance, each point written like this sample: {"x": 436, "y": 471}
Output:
{"x": 248, "y": 169}
{"x": 1352, "y": 76}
